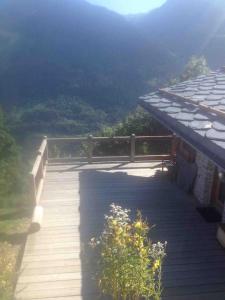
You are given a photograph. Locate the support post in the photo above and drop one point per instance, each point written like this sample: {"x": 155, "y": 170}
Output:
{"x": 46, "y": 155}
{"x": 42, "y": 166}
{"x": 36, "y": 219}
{"x": 174, "y": 146}
{"x": 90, "y": 148}
{"x": 33, "y": 191}
{"x": 132, "y": 148}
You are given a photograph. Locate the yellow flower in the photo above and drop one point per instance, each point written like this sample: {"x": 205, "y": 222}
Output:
{"x": 114, "y": 222}
{"x": 136, "y": 244}
{"x": 143, "y": 251}
{"x": 138, "y": 225}
{"x": 156, "y": 265}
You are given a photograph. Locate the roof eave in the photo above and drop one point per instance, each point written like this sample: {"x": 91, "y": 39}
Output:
{"x": 210, "y": 149}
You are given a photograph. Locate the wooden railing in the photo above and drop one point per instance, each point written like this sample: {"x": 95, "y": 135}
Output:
{"x": 44, "y": 154}
{"x": 38, "y": 172}
{"x": 90, "y": 143}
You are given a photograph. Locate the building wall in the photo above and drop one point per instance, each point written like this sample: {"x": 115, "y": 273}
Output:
{"x": 223, "y": 211}
{"x": 223, "y": 218}
{"x": 204, "y": 180}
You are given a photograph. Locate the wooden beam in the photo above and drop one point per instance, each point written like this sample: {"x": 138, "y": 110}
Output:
{"x": 132, "y": 148}
{"x": 38, "y": 171}
{"x": 33, "y": 191}
{"x": 90, "y": 148}
{"x": 110, "y": 158}
{"x": 113, "y": 138}
{"x": 155, "y": 137}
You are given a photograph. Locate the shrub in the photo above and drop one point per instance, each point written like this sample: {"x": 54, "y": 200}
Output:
{"x": 129, "y": 264}
{"x": 9, "y": 163}
{"x": 7, "y": 274}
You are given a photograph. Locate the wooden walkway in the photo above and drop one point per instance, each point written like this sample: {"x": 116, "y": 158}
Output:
{"x": 75, "y": 199}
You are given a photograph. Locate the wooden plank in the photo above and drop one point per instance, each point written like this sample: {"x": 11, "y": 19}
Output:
{"x": 63, "y": 139}
{"x": 124, "y": 158}
{"x": 50, "y": 278}
{"x": 50, "y": 263}
{"x": 113, "y": 138}
{"x": 55, "y": 250}
{"x": 52, "y": 293}
{"x": 35, "y": 258}
{"x": 66, "y": 298}
{"x": 52, "y": 270}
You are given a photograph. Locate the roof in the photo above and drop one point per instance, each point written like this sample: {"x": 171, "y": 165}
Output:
{"x": 194, "y": 110}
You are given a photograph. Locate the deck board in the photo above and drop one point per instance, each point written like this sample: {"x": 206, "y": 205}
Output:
{"x": 75, "y": 199}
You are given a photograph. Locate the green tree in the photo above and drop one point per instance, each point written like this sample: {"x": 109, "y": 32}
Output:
{"x": 196, "y": 66}
{"x": 9, "y": 162}
{"x": 139, "y": 122}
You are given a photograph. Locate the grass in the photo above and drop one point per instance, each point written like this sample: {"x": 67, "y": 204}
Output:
{"x": 14, "y": 224}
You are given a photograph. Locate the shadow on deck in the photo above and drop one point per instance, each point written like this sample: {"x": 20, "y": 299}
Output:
{"x": 195, "y": 263}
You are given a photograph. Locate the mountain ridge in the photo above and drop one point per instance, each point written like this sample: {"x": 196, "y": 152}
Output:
{"x": 189, "y": 28}
{"x": 74, "y": 39}
{"x": 93, "y": 62}
{"x": 88, "y": 60}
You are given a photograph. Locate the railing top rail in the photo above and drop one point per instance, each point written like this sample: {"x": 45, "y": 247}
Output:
{"x": 40, "y": 154}
{"x": 118, "y": 157}
{"x": 152, "y": 137}
{"x": 68, "y": 139}
{"x": 42, "y": 148}
{"x": 36, "y": 165}
{"x": 96, "y": 138}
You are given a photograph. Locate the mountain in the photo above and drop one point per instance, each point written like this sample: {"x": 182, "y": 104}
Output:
{"x": 69, "y": 66}
{"x": 52, "y": 47}
{"x": 188, "y": 27}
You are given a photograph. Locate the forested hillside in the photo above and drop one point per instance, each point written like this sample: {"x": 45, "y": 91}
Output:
{"x": 87, "y": 55}
{"x": 69, "y": 67}
{"x": 188, "y": 27}
{"x": 9, "y": 162}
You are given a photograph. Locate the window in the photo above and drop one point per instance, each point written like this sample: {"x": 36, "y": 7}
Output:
{"x": 221, "y": 197}
{"x": 187, "y": 152}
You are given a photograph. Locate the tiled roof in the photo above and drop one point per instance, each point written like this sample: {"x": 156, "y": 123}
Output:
{"x": 195, "y": 110}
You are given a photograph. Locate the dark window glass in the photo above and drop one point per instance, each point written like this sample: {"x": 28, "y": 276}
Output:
{"x": 222, "y": 192}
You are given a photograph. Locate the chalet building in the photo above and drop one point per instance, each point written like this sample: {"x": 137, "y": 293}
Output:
{"x": 195, "y": 111}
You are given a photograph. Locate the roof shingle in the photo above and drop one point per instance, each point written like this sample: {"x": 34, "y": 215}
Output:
{"x": 195, "y": 110}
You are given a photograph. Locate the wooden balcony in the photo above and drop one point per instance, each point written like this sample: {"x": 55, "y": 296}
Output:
{"x": 75, "y": 196}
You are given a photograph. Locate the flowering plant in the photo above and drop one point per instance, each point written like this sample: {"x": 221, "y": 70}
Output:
{"x": 129, "y": 264}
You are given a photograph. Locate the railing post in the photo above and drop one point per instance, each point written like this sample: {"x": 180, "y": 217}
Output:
{"x": 33, "y": 191}
{"x": 132, "y": 148}
{"x": 46, "y": 138}
{"x": 174, "y": 146}
{"x": 90, "y": 148}
{"x": 42, "y": 166}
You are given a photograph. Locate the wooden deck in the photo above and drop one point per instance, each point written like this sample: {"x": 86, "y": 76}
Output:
{"x": 75, "y": 199}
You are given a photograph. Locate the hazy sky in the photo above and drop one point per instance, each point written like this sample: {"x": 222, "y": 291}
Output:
{"x": 129, "y": 6}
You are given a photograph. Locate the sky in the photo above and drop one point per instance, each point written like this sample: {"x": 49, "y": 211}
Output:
{"x": 129, "y": 6}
